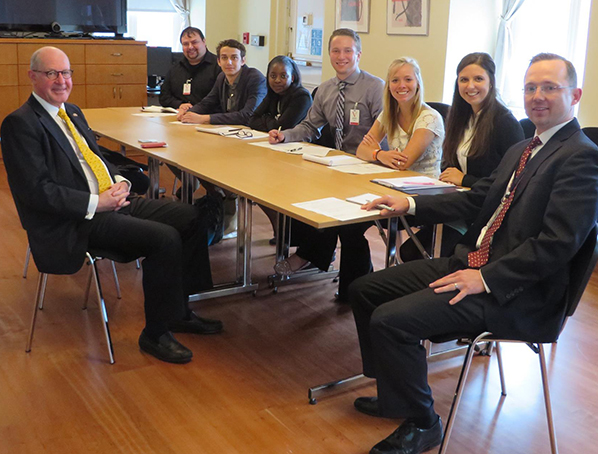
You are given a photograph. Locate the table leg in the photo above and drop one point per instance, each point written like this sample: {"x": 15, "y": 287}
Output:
{"x": 153, "y": 191}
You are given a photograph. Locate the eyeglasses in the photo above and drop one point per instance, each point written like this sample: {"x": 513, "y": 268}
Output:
{"x": 531, "y": 90}
{"x": 242, "y": 134}
{"x": 53, "y": 75}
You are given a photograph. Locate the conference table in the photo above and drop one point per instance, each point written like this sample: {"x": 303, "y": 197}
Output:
{"x": 256, "y": 174}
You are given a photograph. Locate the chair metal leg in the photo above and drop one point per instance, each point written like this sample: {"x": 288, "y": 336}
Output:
{"x": 501, "y": 372}
{"x": 174, "y": 186}
{"x": 137, "y": 264}
{"x": 27, "y": 257}
{"x": 88, "y": 286}
{"x": 41, "y": 289}
{"x": 458, "y": 393}
{"x": 42, "y": 292}
{"x": 116, "y": 281}
{"x": 551, "y": 431}
{"x": 102, "y": 306}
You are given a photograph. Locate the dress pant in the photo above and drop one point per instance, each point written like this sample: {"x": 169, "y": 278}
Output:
{"x": 394, "y": 311}
{"x": 318, "y": 247}
{"x": 172, "y": 239}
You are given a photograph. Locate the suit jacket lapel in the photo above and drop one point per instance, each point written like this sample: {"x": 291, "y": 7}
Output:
{"x": 57, "y": 133}
{"x": 553, "y": 145}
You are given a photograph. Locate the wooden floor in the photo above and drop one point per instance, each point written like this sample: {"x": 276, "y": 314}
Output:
{"x": 246, "y": 390}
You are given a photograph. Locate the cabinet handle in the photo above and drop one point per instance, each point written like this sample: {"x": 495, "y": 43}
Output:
{"x": 117, "y": 74}
{"x": 114, "y": 92}
{"x": 116, "y": 54}
{"x": 120, "y": 92}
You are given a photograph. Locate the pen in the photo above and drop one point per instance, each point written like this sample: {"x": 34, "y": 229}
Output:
{"x": 295, "y": 149}
{"x": 382, "y": 206}
{"x": 279, "y": 128}
{"x": 234, "y": 130}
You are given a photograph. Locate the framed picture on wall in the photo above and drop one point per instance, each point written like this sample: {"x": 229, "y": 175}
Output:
{"x": 407, "y": 17}
{"x": 353, "y": 14}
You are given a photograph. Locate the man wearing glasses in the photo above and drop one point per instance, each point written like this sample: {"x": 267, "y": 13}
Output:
{"x": 192, "y": 78}
{"x": 509, "y": 273}
{"x": 235, "y": 95}
{"x": 70, "y": 200}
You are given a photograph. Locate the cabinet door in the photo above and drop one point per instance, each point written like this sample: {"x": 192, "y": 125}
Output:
{"x": 101, "y": 96}
{"x": 10, "y": 101}
{"x": 131, "y": 95}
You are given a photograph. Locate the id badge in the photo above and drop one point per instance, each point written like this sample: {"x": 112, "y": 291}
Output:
{"x": 354, "y": 117}
{"x": 187, "y": 88}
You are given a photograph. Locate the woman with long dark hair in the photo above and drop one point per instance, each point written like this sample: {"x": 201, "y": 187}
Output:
{"x": 479, "y": 127}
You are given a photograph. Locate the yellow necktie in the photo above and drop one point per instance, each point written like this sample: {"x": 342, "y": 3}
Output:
{"x": 95, "y": 163}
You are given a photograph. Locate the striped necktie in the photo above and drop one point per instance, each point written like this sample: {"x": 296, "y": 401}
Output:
{"x": 340, "y": 116}
{"x": 95, "y": 163}
{"x": 479, "y": 258}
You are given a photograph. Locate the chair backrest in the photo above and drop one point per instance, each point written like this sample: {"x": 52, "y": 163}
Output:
{"x": 528, "y": 127}
{"x": 592, "y": 134}
{"x": 443, "y": 109}
{"x": 581, "y": 268}
{"x": 326, "y": 138}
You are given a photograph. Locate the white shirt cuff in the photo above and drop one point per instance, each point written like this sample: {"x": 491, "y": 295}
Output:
{"x": 119, "y": 178}
{"x": 484, "y": 282}
{"x": 92, "y": 206}
{"x": 411, "y": 209}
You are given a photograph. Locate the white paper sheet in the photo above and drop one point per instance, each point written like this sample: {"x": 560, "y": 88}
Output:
{"x": 295, "y": 148}
{"x": 365, "y": 168}
{"x": 336, "y": 208}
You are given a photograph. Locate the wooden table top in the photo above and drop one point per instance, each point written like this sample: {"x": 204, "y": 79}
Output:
{"x": 271, "y": 178}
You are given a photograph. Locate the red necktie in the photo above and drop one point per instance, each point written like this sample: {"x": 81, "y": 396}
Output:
{"x": 479, "y": 258}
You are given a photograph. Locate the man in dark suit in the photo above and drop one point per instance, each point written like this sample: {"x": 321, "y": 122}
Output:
{"x": 70, "y": 200}
{"x": 236, "y": 94}
{"x": 509, "y": 273}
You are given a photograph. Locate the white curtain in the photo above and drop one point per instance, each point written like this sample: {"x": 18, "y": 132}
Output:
{"x": 182, "y": 7}
{"x": 504, "y": 40}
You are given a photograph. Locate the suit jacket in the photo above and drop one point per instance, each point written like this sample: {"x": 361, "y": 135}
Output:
{"x": 48, "y": 185}
{"x": 553, "y": 210}
{"x": 251, "y": 90}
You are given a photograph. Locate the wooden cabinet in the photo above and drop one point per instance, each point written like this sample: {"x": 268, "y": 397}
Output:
{"x": 107, "y": 73}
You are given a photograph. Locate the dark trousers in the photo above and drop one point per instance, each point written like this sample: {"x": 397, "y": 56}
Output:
{"x": 172, "y": 240}
{"x": 318, "y": 246}
{"x": 394, "y": 310}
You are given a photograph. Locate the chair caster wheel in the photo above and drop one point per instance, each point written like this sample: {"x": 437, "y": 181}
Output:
{"x": 335, "y": 280}
{"x": 313, "y": 401}
{"x": 275, "y": 290}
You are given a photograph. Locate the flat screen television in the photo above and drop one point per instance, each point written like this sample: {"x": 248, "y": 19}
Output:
{"x": 86, "y": 16}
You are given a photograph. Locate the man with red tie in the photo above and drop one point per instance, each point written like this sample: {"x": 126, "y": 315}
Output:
{"x": 70, "y": 200}
{"x": 509, "y": 273}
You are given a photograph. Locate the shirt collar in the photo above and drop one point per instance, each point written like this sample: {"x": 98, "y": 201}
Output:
{"x": 547, "y": 135}
{"x": 51, "y": 109}
{"x": 351, "y": 79}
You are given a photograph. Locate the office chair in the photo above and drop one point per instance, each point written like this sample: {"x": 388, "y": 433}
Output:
{"x": 441, "y": 108}
{"x": 92, "y": 258}
{"x": 581, "y": 268}
{"x": 592, "y": 134}
{"x": 528, "y": 127}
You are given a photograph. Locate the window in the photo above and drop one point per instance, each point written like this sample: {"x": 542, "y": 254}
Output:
{"x": 156, "y": 22}
{"x": 555, "y": 26}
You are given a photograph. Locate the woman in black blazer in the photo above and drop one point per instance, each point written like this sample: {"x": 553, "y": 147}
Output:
{"x": 479, "y": 127}
{"x": 287, "y": 102}
{"x": 479, "y": 130}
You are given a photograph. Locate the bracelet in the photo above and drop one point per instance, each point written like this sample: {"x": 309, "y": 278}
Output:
{"x": 375, "y": 154}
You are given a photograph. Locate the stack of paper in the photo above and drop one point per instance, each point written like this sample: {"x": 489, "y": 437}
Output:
{"x": 158, "y": 109}
{"x": 416, "y": 185}
{"x": 341, "y": 160}
{"x": 295, "y": 148}
{"x": 234, "y": 132}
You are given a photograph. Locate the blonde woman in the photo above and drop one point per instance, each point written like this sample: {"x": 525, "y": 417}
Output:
{"x": 414, "y": 130}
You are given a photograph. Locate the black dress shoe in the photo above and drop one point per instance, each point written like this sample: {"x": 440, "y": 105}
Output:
{"x": 367, "y": 405}
{"x": 166, "y": 348}
{"x": 196, "y": 325}
{"x": 409, "y": 439}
